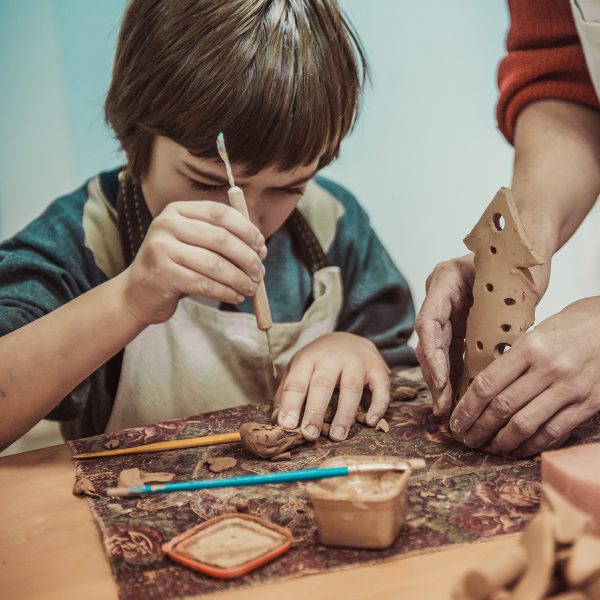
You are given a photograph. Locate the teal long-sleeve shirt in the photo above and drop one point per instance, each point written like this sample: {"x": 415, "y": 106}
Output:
{"x": 74, "y": 246}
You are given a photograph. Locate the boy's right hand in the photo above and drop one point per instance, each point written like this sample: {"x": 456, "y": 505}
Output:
{"x": 194, "y": 248}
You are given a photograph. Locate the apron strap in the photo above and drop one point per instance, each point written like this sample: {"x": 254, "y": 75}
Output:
{"x": 134, "y": 219}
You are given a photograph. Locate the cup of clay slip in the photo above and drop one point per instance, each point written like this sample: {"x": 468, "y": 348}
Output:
{"x": 362, "y": 510}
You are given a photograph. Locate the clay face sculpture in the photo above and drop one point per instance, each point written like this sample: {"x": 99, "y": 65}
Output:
{"x": 362, "y": 510}
{"x": 504, "y": 297}
{"x": 268, "y": 441}
{"x": 557, "y": 557}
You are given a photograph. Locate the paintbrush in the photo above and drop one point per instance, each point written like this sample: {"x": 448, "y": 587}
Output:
{"x": 285, "y": 477}
{"x": 238, "y": 201}
{"x": 207, "y": 440}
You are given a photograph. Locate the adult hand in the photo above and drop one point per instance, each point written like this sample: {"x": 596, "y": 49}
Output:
{"x": 199, "y": 248}
{"x": 441, "y": 325}
{"x": 313, "y": 374}
{"x": 534, "y": 395}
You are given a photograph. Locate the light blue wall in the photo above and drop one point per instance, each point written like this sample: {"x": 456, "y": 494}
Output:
{"x": 424, "y": 159}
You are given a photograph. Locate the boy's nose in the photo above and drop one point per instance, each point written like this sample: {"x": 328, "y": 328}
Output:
{"x": 252, "y": 202}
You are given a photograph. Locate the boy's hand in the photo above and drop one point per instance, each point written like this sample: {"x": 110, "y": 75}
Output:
{"x": 313, "y": 374}
{"x": 198, "y": 248}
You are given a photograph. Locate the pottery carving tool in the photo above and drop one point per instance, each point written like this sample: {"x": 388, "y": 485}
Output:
{"x": 207, "y": 440}
{"x": 284, "y": 477}
{"x": 238, "y": 201}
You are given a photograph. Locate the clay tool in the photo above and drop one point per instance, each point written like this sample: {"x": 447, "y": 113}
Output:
{"x": 284, "y": 477}
{"x": 207, "y": 440}
{"x": 238, "y": 201}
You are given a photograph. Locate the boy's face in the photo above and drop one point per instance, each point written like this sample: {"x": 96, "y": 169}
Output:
{"x": 175, "y": 174}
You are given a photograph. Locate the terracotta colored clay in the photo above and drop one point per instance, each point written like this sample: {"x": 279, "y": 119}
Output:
{"x": 573, "y": 472}
{"x": 584, "y": 564}
{"x": 267, "y": 441}
{"x": 282, "y": 456}
{"x": 325, "y": 428}
{"x": 569, "y": 523}
{"x": 504, "y": 297}
{"x": 218, "y": 464}
{"x": 112, "y": 443}
{"x": 383, "y": 425}
{"x": 361, "y": 417}
{"x": 84, "y": 487}
{"x": 503, "y": 570}
{"x": 135, "y": 478}
{"x": 362, "y": 510}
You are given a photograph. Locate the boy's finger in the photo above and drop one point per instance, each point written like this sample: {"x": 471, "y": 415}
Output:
{"x": 379, "y": 383}
{"x": 322, "y": 385}
{"x": 351, "y": 390}
{"x": 222, "y": 215}
{"x": 294, "y": 390}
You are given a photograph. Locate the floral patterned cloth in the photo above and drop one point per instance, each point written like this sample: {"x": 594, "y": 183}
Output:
{"x": 462, "y": 496}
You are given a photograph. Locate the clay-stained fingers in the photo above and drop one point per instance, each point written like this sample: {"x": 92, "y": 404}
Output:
{"x": 492, "y": 381}
{"x": 431, "y": 350}
{"x": 213, "y": 267}
{"x": 294, "y": 388}
{"x": 220, "y": 241}
{"x": 352, "y": 383}
{"x": 502, "y": 408}
{"x": 546, "y": 417}
{"x": 378, "y": 381}
{"x": 222, "y": 215}
{"x": 322, "y": 384}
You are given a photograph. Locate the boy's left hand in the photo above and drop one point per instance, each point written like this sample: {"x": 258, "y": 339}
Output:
{"x": 316, "y": 370}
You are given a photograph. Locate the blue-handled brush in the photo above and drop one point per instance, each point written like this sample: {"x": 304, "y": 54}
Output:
{"x": 285, "y": 477}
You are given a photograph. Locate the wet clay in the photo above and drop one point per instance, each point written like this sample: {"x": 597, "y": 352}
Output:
{"x": 362, "y": 510}
{"x": 135, "y": 478}
{"x": 268, "y": 441}
{"x": 84, "y": 487}
{"x": 232, "y": 543}
{"x": 557, "y": 557}
{"x": 504, "y": 297}
{"x": 218, "y": 464}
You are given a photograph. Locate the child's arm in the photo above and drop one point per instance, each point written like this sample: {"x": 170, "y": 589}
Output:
{"x": 192, "y": 248}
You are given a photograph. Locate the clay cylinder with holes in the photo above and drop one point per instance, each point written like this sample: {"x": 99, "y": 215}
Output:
{"x": 504, "y": 294}
{"x": 260, "y": 300}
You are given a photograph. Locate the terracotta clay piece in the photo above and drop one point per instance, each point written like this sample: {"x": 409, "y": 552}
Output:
{"x": 84, "y": 487}
{"x": 135, "y": 478}
{"x": 504, "y": 296}
{"x": 218, "y": 464}
{"x": 362, "y": 510}
{"x": 574, "y": 473}
{"x": 557, "y": 557}
{"x": 268, "y": 441}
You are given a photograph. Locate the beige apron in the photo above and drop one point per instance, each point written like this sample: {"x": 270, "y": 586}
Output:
{"x": 587, "y": 20}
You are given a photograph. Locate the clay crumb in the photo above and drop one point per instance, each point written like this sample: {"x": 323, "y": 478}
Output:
{"x": 383, "y": 425}
{"x": 84, "y": 487}
{"x": 135, "y": 478}
{"x": 282, "y": 456}
{"x": 325, "y": 429}
{"x": 361, "y": 417}
{"x": 241, "y": 505}
{"x": 218, "y": 464}
{"x": 111, "y": 444}
{"x": 427, "y": 494}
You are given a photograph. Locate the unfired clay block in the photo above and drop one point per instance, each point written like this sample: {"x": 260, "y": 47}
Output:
{"x": 504, "y": 296}
{"x": 575, "y": 473}
{"x": 363, "y": 510}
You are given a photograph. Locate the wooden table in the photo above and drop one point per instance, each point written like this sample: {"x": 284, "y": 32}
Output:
{"x": 51, "y": 548}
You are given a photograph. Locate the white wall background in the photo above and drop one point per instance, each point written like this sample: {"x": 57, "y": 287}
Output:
{"x": 425, "y": 158}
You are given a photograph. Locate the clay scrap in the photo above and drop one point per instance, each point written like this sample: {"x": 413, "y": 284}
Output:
{"x": 268, "y": 441}
{"x": 84, "y": 487}
{"x": 504, "y": 295}
{"x": 557, "y": 557}
{"x": 218, "y": 464}
{"x": 135, "y": 478}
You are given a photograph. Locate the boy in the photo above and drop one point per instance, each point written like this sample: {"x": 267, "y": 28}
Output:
{"x": 129, "y": 301}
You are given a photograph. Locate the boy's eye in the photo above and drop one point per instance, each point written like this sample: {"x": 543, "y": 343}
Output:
{"x": 294, "y": 191}
{"x": 204, "y": 187}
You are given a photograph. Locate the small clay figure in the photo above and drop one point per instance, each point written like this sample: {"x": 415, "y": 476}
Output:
{"x": 268, "y": 441}
{"x": 504, "y": 295}
{"x": 135, "y": 478}
{"x": 218, "y": 464}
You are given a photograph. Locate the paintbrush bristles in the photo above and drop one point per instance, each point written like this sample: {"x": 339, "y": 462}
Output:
{"x": 225, "y": 157}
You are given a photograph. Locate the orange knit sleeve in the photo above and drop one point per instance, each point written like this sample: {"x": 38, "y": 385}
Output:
{"x": 544, "y": 60}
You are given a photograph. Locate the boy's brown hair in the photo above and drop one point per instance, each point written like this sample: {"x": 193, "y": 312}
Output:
{"x": 281, "y": 78}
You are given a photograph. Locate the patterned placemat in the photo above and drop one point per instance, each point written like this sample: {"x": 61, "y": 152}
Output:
{"x": 463, "y": 495}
